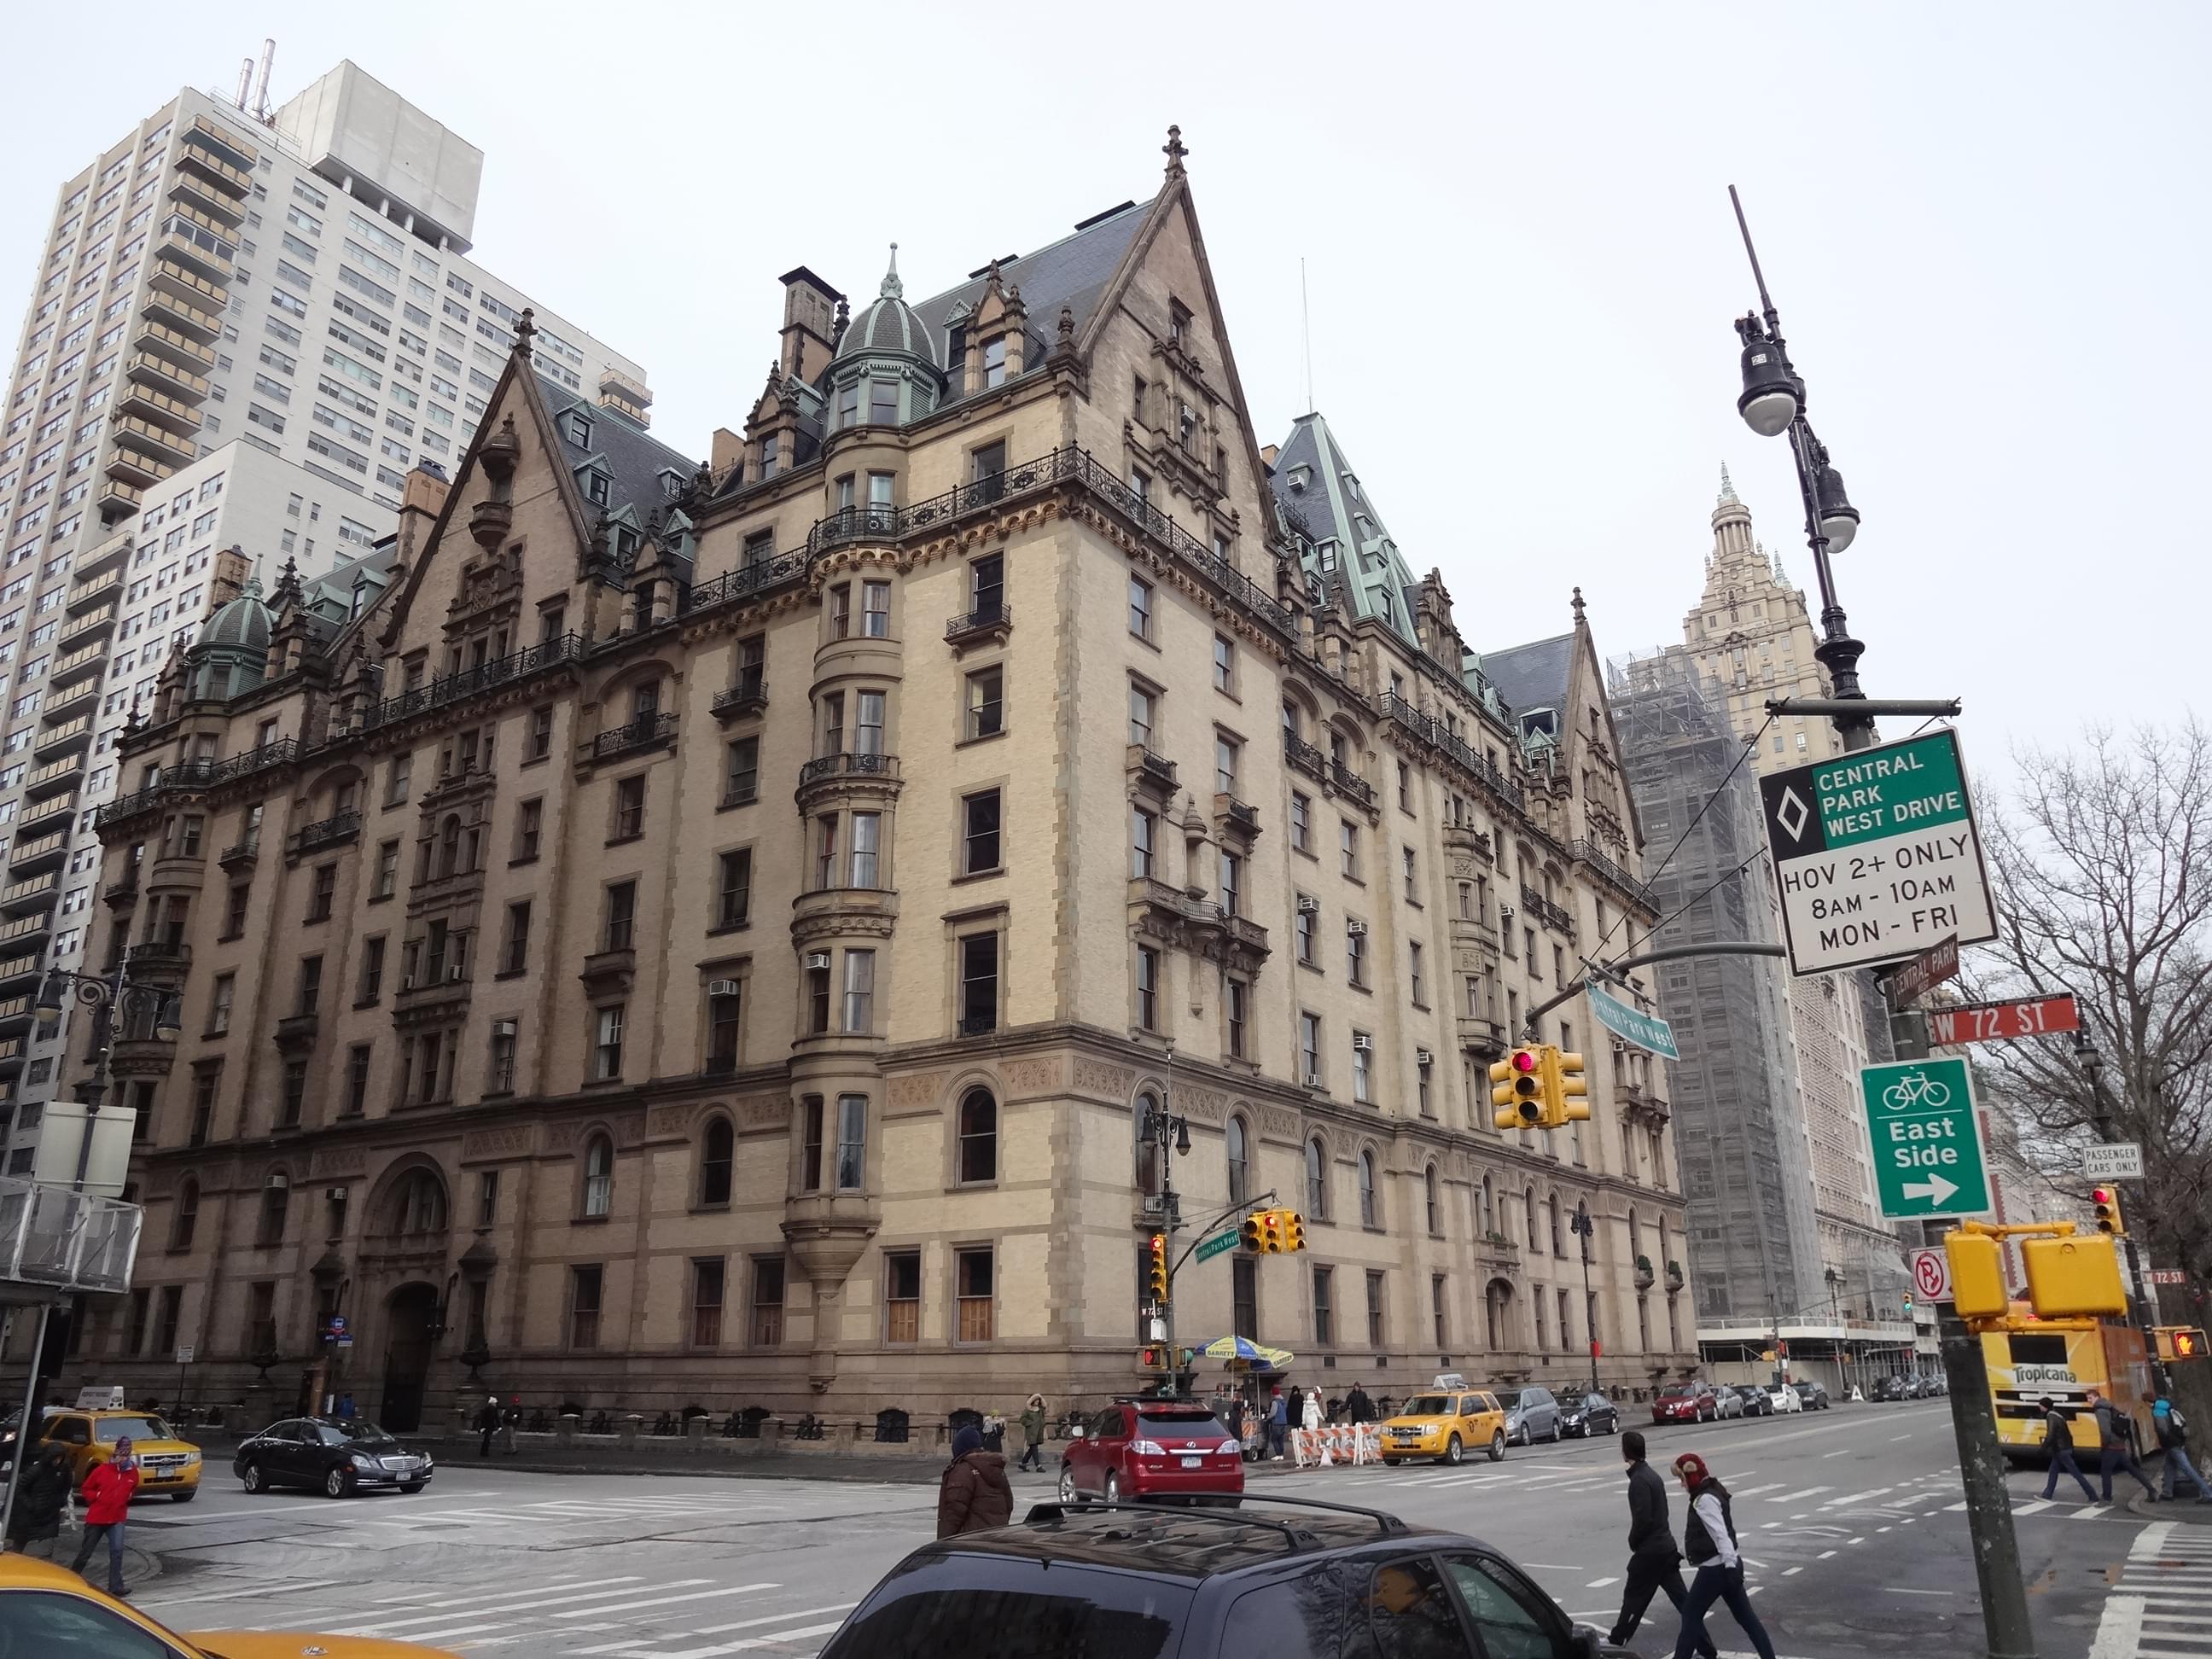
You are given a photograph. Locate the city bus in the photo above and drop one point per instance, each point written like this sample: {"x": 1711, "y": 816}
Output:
{"x": 2065, "y": 1359}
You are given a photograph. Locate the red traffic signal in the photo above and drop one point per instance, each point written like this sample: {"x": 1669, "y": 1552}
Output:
{"x": 2106, "y": 1201}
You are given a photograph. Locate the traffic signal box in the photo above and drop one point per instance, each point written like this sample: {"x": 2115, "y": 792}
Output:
{"x": 2179, "y": 1342}
{"x": 1294, "y": 1231}
{"x": 1566, "y": 1095}
{"x": 1517, "y": 1089}
{"x": 1156, "y": 1267}
{"x": 2073, "y": 1278}
{"x": 2107, "y": 1202}
{"x": 1273, "y": 1232}
{"x": 1977, "y": 1283}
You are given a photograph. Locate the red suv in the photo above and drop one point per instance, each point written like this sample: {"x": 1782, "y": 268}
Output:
{"x": 1693, "y": 1402}
{"x": 1150, "y": 1448}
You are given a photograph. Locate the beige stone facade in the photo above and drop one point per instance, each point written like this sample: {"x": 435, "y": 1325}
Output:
{"x": 720, "y": 953}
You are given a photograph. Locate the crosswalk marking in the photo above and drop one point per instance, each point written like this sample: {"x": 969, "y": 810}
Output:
{"x": 664, "y": 1601}
{"x": 773, "y": 1619}
{"x": 501, "y": 1601}
{"x": 745, "y": 1644}
{"x": 1855, "y": 1497}
{"x": 1799, "y": 1497}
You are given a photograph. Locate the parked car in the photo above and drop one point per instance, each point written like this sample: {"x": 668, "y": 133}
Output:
{"x": 1685, "y": 1402}
{"x": 334, "y": 1455}
{"x": 1813, "y": 1395}
{"x": 1727, "y": 1402}
{"x": 1783, "y": 1398}
{"x": 1934, "y": 1386}
{"x": 1152, "y": 1448}
{"x": 1590, "y": 1415}
{"x": 167, "y": 1466}
{"x": 1754, "y": 1399}
{"x": 1887, "y": 1387}
{"x": 1446, "y": 1425}
{"x": 1285, "y": 1576}
{"x": 47, "y": 1611}
{"x": 1531, "y": 1414}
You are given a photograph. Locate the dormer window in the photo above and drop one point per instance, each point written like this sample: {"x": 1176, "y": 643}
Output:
{"x": 769, "y": 445}
{"x": 1178, "y": 321}
{"x": 598, "y": 489}
{"x": 671, "y": 484}
{"x": 577, "y": 427}
{"x": 994, "y": 361}
{"x": 1301, "y": 475}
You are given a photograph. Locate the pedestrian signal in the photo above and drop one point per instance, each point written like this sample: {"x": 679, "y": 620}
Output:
{"x": 2107, "y": 1202}
{"x": 2180, "y": 1342}
{"x": 2073, "y": 1278}
{"x": 1977, "y": 1286}
{"x": 1517, "y": 1089}
{"x": 1156, "y": 1268}
{"x": 1151, "y": 1359}
{"x": 1254, "y": 1233}
{"x": 1566, "y": 1096}
{"x": 1294, "y": 1230}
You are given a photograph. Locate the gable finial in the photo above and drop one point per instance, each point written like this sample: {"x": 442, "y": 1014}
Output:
{"x": 893, "y": 288}
{"x": 1174, "y": 150}
{"x": 1067, "y": 324}
{"x": 1728, "y": 489}
{"x": 1577, "y": 603}
{"x": 526, "y": 330}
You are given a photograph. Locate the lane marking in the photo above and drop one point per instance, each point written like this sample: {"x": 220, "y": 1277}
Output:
{"x": 774, "y": 1618}
{"x": 1600, "y": 1583}
{"x": 1799, "y": 1497}
{"x": 664, "y": 1600}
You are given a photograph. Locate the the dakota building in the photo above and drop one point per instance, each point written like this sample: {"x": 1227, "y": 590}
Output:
{"x": 650, "y": 935}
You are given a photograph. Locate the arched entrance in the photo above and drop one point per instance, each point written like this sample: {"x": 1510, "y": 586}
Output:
{"x": 410, "y": 1322}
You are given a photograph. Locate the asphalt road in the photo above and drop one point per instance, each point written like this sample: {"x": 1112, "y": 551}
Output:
{"x": 1853, "y": 1520}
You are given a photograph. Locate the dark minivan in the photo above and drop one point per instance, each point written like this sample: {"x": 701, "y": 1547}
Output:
{"x": 1280, "y": 1579}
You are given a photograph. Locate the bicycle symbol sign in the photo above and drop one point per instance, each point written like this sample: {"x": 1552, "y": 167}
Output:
{"x": 1926, "y": 1139}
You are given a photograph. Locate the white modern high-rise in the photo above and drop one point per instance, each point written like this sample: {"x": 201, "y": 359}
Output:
{"x": 243, "y": 332}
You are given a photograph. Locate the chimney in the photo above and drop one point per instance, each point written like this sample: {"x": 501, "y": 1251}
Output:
{"x": 809, "y": 318}
{"x": 1268, "y": 452}
{"x": 728, "y": 450}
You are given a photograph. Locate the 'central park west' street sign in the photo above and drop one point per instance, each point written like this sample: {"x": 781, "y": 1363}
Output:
{"x": 1876, "y": 854}
{"x": 1631, "y": 1024}
{"x": 1927, "y": 1141}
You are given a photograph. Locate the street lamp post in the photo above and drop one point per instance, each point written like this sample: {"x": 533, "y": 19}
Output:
{"x": 1773, "y": 404}
{"x": 1583, "y": 1228}
{"x": 1836, "y": 1318}
{"x": 1165, "y": 1130}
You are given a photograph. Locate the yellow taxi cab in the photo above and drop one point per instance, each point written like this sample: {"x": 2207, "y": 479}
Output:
{"x": 166, "y": 1465}
{"x": 1447, "y": 1422}
{"x": 48, "y": 1612}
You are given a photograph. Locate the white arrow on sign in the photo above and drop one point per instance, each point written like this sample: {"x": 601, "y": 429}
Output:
{"x": 1935, "y": 1189}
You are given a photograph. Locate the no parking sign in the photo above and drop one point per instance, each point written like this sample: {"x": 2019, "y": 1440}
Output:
{"x": 1931, "y": 1274}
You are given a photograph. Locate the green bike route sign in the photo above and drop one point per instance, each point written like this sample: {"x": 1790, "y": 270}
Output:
{"x": 1876, "y": 854}
{"x": 1927, "y": 1139}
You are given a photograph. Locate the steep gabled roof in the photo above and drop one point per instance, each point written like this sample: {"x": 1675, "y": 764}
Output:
{"x": 1073, "y": 271}
{"x": 634, "y": 459}
{"x": 1316, "y": 485}
{"x": 1533, "y": 676}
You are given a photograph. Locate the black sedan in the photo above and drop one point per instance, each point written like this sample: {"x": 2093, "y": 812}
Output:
{"x": 1590, "y": 1415}
{"x": 1756, "y": 1402}
{"x": 1814, "y": 1396}
{"x": 335, "y": 1455}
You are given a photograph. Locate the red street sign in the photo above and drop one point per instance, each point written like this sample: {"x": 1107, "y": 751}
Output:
{"x": 2166, "y": 1276}
{"x": 1933, "y": 966}
{"x": 1991, "y": 1022}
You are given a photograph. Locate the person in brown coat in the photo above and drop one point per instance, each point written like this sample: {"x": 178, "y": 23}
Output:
{"x": 974, "y": 1494}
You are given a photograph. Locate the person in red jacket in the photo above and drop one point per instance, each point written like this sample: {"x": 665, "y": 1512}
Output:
{"x": 108, "y": 1493}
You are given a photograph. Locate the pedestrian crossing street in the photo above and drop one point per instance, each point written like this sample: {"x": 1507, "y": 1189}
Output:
{"x": 631, "y": 1616}
{"x": 2161, "y": 1605}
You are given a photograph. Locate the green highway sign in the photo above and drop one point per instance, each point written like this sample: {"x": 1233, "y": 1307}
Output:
{"x": 1631, "y": 1024}
{"x": 1876, "y": 854}
{"x": 1214, "y": 1246}
{"x": 1927, "y": 1139}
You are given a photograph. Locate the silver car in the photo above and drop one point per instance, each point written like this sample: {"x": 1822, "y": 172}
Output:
{"x": 1531, "y": 1414}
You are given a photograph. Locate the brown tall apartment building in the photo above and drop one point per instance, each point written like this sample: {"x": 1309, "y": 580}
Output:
{"x": 651, "y": 935}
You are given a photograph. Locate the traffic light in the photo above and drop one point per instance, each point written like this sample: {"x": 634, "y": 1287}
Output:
{"x": 1566, "y": 1096}
{"x": 1156, "y": 1270}
{"x": 2075, "y": 1278}
{"x": 1294, "y": 1230}
{"x": 1271, "y": 1231}
{"x": 2108, "y": 1201}
{"x": 1517, "y": 1089}
{"x": 1254, "y": 1234}
{"x": 1150, "y": 1357}
{"x": 2179, "y": 1342}
{"x": 1978, "y": 1286}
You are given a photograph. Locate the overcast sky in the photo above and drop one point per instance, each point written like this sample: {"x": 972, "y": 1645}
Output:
{"x": 1986, "y": 227}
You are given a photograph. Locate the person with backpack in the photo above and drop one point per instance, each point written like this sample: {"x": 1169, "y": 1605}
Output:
{"x": 2116, "y": 1430}
{"x": 2173, "y": 1431}
{"x": 2058, "y": 1443}
{"x": 1709, "y": 1543}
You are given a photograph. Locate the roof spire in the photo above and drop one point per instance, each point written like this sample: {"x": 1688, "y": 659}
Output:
{"x": 1174, "y": 150}
{"x": 1728, "y": 489}
{"x": 525, "y": 329}
{"x": 1577, "y": 603}
{"x": 893, "y": 288}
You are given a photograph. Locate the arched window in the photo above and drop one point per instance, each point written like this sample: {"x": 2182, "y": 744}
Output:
{"x": 418, "y": 1203}
{"x": 598, "y": 1175}
{"x": 1316, "y": 1180}
{"x": 1148, "y": 1150}
{"x": 717, "y": 1153}
{"x": 1240, "y": 1168}
{"x": 1497, "y": 1307}
{"x": 1370, "y": 1209}
{"x": 1559, "y": 1241}
{"x": 187, "y": 1216}
{"x": 1436, "y": 1210}
{"x": 1528, "y": 1203}
{"x": 979, "y": 1136}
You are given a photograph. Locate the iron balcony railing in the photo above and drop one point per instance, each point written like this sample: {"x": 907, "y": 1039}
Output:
{"x": 1352, "y": 783}
{"x": 327, "y": 832}
{"x": 847, "y": 765}
{"x": 201, "y": 774}
{"x": 1158, "y": 766}
{"x": 750, "y": 690}
{"x": 1588, "y": 853}
{"x": 1534, "y": 903}
{"x": 982, "y": 620}
{"x": 68, "y": 1240}
{"x": 640, "y": 733}
{"x": 1304, "y": 756}
{"x": 1057, "y": 468}
{"x": 1433, "y": 732}
{"x": 468, "y": 682}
